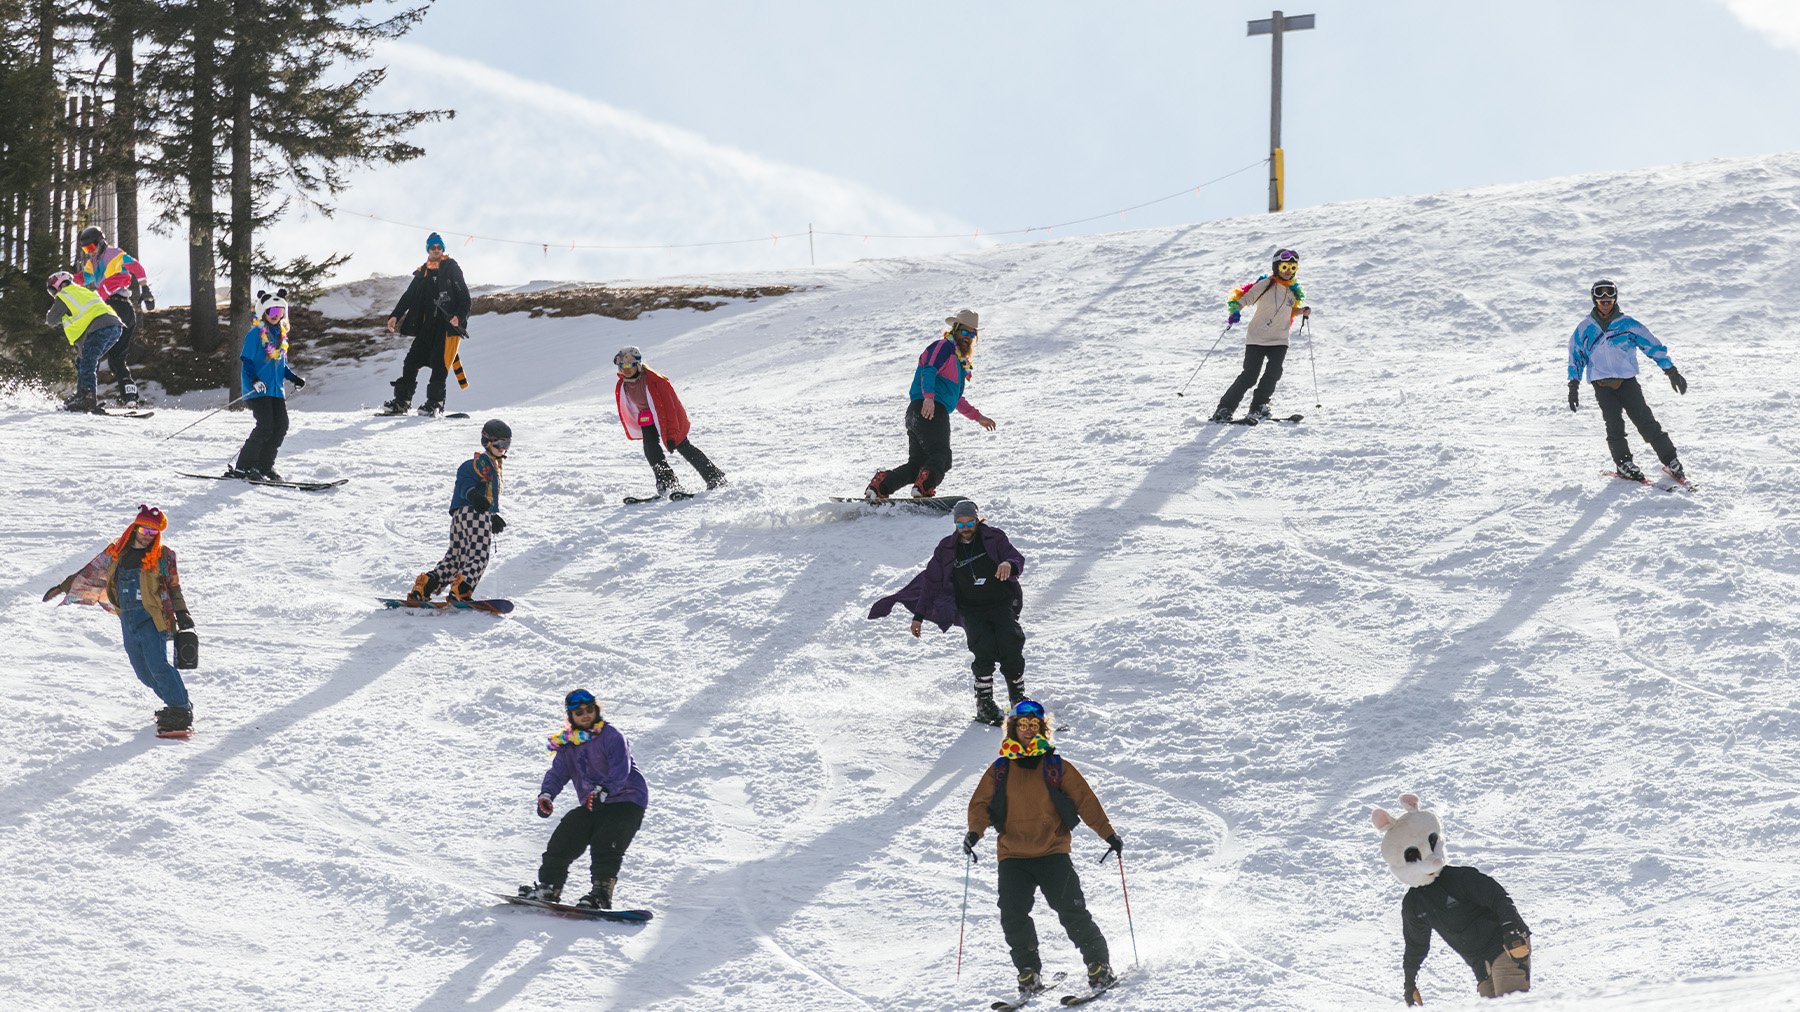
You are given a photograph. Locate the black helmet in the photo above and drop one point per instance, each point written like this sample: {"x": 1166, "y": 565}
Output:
{"x": 91, "y": 234}
{"x": 1604, "y": 289}
{"x": 495, "y": 429}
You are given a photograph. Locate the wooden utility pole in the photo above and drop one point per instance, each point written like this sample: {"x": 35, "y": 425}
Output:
{"x": 1273, "y": 26}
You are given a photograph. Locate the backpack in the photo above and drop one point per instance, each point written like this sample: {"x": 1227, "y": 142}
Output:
{"x": 1052, "y": 769}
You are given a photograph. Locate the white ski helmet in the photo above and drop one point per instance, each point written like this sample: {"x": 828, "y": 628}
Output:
{"x": 58, "y": 281}
{"x": 628, "y": 355}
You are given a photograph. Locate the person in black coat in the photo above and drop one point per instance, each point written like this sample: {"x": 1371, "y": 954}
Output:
{"x": 432, "y": 313}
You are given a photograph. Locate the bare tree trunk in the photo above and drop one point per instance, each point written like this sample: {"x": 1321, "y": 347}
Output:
{"x": 240, "y": 66}
{"x": 203, "y": 313}
{"x": 42, "y": 256}
{"x": 123, "y": 136}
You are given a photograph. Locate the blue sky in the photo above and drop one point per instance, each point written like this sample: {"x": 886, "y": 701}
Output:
{"x": 1011, "y": 113}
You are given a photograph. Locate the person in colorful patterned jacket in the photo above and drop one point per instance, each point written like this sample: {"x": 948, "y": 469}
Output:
{"x": 474, "y": 520}
{"x": 972, "y": 581}
{"x": 264, "y": 368}
{"x": 1605, "y": 346}
{"x": 1033, "y": 798}
{"x": 937, "y": 389}
{"x": 91, "y": 327}
{"x": 1279, "y": 302}
{"x": 136, "y": 577}
{"x": 110, "y": 271}
{"x": 610, "y": 797}
{"x": 649, "y": 410}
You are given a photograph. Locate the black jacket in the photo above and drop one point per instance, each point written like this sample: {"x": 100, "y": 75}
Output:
{"x": 417, "y": 309}
{"x": 1469, "y": 909}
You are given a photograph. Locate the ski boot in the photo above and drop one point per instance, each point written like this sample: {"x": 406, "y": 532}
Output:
{"x": 431, "y": 409}
{"x": 1674, "y": 470}
{"x": 269, "y": 474}
{"x": 1100, "y": 976}
{"x": 461, "y": 590}
{"x": 985, "y": 710}
{"x": 543, "y": 892}
{"x": 1260, "y": 412}
{"x": 1031, "y": 982}
{"x": 233, "y": 471}
{"x": 599, "y": 897}
{"x": 1015, "y": 691}
{"x": 1220, "y": 415}
{"x": 1627, "y": 468}
{"x": 716, "y": 479}
{"x": 920, "y": 488}
{"x": 423, "y": 588}
{"x": 666, "y": 483}
{"x": 873, "y": 492}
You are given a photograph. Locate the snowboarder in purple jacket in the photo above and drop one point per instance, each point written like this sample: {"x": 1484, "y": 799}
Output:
{"x": 972, "y": 581}
{"x": 610, "y": 794}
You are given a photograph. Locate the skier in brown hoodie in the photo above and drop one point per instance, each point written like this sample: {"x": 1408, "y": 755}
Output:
{"x": 1033, "y": 798}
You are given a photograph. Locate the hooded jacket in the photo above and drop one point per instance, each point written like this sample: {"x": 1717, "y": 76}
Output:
{"x": 931, "y": 595}
{"x": 603, "y": 762}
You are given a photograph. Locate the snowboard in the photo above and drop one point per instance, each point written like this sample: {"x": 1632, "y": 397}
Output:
{"x": 1253, "y": 420}
{"x": 304, "y": 486}
{"x": 936, "y": 503}
{"x": 410, "y": 414}
{"x": 176, "y": 735}
{"x": 674, "y": 496}
{"x": 569, "y": 909}
{"x": 493, "y": 605}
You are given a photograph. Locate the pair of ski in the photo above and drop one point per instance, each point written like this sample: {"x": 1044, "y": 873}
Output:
{"x": 1067, "y": 1000}
{"x": 1257, "y": 420}
{"x": 1680, "y": 484}
{"x": 304, "y": 486}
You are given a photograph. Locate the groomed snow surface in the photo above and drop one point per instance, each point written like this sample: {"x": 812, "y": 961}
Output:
{"x": 1249, "y": 636}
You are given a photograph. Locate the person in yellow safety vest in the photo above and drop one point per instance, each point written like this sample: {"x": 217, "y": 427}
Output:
{"x": 91, "y": 327}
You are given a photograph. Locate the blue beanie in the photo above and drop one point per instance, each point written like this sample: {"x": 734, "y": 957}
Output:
{"x": 433, "y": 240}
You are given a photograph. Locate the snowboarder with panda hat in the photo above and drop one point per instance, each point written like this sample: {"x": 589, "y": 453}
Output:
{"x": 649, "y": 410}
{"x": 474, "y": 520}
{"x": 1467, "y": 908}
{"x": 263, "y": 368}
{"x": 1278, "y": 301}
{"x": 972, "y": 581}
{"x": 1605, "y": 346}
{"x": 1033, "y": 798}
{"x": 610, "y": 795}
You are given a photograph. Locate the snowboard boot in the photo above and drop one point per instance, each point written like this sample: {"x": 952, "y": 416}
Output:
{"x": 1031, "y": 982}
{"x": 923, "y": 486}
{"x": 543, "y": 892}
{"x": 1628, "y": 469}
{"x": 599, "y": 897}
{"x": 985, "y": 710}
{"x": 423, "y": 588}
{"x": 873, "y": 492}
{"x": 432, "y": 408}
{"x": 84, "y": 402}
{"x": 175, "y": 718}
{"x": 128, "y": 395}
{"x": 1100, "y": 975}
{"x": 1674, "y": 470}
{"x": 395, "y": 407}
{"x": 461, "y": 590}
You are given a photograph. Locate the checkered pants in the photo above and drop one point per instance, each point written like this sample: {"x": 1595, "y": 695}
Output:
{"x": 471, "y": 546}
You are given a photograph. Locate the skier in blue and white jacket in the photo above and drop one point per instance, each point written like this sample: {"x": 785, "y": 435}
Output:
{"x": 264, "y": 367}
{"x": 1605, "y": 346}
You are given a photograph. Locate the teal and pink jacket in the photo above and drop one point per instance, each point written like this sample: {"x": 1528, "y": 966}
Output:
{"x": 940, "y": 377}
{"x": 111, "y": 271}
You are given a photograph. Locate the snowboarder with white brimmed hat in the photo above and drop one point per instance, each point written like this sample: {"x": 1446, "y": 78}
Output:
{"x": 943, "y": 370}
{"x": 1605, "y": 347}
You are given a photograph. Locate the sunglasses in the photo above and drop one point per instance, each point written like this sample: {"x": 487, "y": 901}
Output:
{"x": 584, "y": 708}
{"x": 963, "y": 525}
{"x": 961, "y": 331}
{"x": 434, "y": 249}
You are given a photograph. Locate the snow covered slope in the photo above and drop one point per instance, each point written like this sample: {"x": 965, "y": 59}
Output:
{"x": 1249, "y": 637}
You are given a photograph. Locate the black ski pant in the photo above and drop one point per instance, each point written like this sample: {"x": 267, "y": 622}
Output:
{"x": 121, "y": 349}
{"x": 259, "y": 450}
{"x": 427, "y": 352}
{"x": 1020, "y": 880}
{"x": 1628, "y": 399}
{"x": 927, "y": 450}
{"x": 1263, "y": 358}
{"x": 659, "y": 461}
{"x": 995, "y": 638}
{"x": 606, "y": 830}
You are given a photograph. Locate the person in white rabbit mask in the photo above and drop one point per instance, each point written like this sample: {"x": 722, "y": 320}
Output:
{"x": 1467, "y": 908}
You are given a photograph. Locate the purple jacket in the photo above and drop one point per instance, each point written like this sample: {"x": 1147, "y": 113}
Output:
{"x": 603, "y": 761}
{"x": 932, "y": 595}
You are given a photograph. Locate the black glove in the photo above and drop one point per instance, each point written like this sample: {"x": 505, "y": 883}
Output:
{"x": 183, "y": 620}
{"x": 1413, "y": 997}
{"x": 1114, "y": 845}
{"x": 970, "y": 839}
{"x": 149, "y": 300}
{"x": 299, "y": 382}
{"x": 1574, "y": 394}
{"x": 1676, "y": 380}
{"x": 478, "y": 498}
{"x": 496, "y": 523}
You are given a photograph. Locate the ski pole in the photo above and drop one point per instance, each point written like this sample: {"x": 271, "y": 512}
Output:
{"x": 197, "y": 421}
{"x": 963, "y": 925}
{"x": 1304, "y": 332}
{"x": 1128, "y": 924}
{"x": 1190, "y": 382}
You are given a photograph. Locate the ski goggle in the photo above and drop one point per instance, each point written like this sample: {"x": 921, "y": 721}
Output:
{"x": 629, "y": 358}
{"x": 1606, "y": 292}
{"x": 1287, "y": 256}
{"x": 1028, "y": 708}
{"x": 503, "y": 444}
{"x": 579, "y": 698}
{"x": 90, "y": 247}
{"x": 274, "y": 312}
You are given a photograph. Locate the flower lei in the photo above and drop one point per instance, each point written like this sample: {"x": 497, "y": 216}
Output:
{"x": 1011, "y": 749}
{"x": 271, "y": 350}
{"x": 570, "y": 735}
